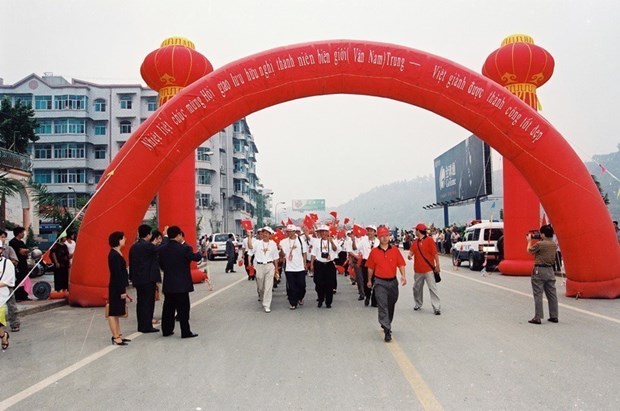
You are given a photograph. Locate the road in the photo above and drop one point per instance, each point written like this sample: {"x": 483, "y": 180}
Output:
{"x": 479, "y": 354}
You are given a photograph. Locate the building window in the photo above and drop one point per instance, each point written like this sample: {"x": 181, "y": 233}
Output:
{"x": 42, "y": 151}
{"x": 76, "y": 126}
{"x": 204, "y": 200}
{"x": 100, "y": 152}
{"x": 70, "y": 102}
{"x": 24, "y": 100}
{"x": 237, "y": 146}
{"x": 204, "y": 176}
{"x": 100, "y": 105}
{"x": 236, "y": 127}
{"x": 100, "y": 129}
{"x": 125, "y": 127}
{"x": 45, "y": 127}
{"x": 70, "y": 176}
{"x": 151, "y": 104}
{"x": 42, "y": 176}
{"x": 203, "y": 154}
{"x": 126, "y": 102}
{"x": 42, "y": 102}
{"x": 69, "y": 150}
{"x": 97, "y": 175}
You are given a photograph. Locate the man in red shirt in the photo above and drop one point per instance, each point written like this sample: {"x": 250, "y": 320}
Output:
{"x": 383, "y": 262}
{"x": 425, "y": 261}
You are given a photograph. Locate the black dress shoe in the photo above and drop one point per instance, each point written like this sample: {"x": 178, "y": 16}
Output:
{"x": 534, "y": 321}
{"x": 319, "y": 304}
{"x": 388, "y": 336}
{"x": 367, "y": 302}
{"x": 328, "y": 306}
{"x": 192, "y": 335}
{"x": 553, "y": 320}
{"x": 360, "y": 298}
{"x": 151, "y": 330}
{"x": 169, "y": 334}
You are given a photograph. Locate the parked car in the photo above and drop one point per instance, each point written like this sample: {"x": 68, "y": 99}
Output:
{"x": 477, "y": 245}
{"x": 216, "y": 245}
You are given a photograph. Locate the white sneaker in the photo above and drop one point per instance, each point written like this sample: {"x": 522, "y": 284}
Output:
{"x": 267, "y": 309}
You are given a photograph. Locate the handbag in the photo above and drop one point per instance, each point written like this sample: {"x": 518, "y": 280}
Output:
{"x": 435, "y": 271}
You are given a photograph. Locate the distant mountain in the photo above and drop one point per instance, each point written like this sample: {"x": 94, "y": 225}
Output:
{"x": 400, "y": 204}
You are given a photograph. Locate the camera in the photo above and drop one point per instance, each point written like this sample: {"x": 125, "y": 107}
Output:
{"x": 535, "y": 235}
{"x": 324, "y": 255}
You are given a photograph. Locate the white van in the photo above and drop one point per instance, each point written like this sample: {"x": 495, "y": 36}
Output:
{"x": 477, "y": 244}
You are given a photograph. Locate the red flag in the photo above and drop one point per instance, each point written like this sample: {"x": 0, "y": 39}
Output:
{"x": 346, "y": 220}
{"x": 308, "y": 221}
{"x": 289, "y": 221}
{"x": 282, "y": 223}
{"x": 333, "y": 231}
{"x": 341, "y": 233}
{"x": 314, "y": 216}
{"x": 603, "y": 169}
{"x": 358, "y": 230}
{"x": 278, "y": 236}
{"x": 333, "y": 214}
{"x": 247, "y": 225}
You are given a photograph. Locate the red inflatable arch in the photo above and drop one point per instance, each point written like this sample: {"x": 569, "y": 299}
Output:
{"x": 555, "y": 172}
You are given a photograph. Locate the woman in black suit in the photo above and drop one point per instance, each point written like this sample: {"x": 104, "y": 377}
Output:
{"x": 117, "y": 289}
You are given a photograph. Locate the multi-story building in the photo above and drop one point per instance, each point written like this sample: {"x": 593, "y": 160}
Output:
{"x": 82, "y": 126}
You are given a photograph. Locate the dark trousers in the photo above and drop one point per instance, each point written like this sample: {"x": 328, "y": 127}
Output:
{"x": 369, "y": 292}
{"x": 61, "y": 279}
{"x": 387, "y": 295}
{"x": 145, "y": 305}
{"x": 175, "y": 303}
{"x": 325, "y": 281}
{"x": 20, "y": 293}
{"x": 230, "y": 265}
{"x": 295, "y": 286}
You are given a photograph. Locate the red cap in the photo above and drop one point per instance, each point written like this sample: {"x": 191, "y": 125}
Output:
{"x": 420, "y": 227}
{"x": 383, "y": 231}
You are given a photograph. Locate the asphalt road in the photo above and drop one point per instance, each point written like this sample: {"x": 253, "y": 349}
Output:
{"x": 479, "y": 354}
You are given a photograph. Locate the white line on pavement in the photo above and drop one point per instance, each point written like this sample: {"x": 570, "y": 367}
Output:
{"x": 33, "y": 389}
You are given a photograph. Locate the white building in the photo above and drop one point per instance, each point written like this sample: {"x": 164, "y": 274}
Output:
{"x": 82, "y": 126}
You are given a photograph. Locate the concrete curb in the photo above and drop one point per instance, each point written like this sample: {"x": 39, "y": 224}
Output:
{"x": 28, "y": 309}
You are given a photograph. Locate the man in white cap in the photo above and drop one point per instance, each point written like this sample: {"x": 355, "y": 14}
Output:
{"x": 324, "y": 252}
{"x": 293, "y": 251}
{"x": 364, "y": 246}
{"x": 265, "y": 260}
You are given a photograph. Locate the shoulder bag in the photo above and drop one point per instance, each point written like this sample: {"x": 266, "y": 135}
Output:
{"x": 435, "y": 271}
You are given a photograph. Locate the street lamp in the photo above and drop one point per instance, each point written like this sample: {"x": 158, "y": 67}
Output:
{"x": 275, "y": 212}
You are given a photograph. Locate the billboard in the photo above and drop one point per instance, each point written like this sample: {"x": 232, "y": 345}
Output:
{"x": 464, "y": 171}
{"x": 308, "y": 205}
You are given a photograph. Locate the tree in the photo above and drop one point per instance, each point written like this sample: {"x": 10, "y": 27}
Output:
{"x": 600, "y": 189}
{"x": 8, "y": 188}
{"x": 52, "y": 208}
{"x": 17, "y": 125}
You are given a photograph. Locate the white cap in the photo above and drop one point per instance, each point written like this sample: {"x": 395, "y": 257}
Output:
{"x": 268, "y": 229}
{"x": 322, "y": 227}
{"x": 292, "y": 227}
{"x": 372, "y": 227}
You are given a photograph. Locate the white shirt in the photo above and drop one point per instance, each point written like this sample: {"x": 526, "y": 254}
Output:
{"x": 244, "y": 243}
{"x": 71, "y": 247}
{"x": 347, "y": 245}
{"x": 308, "y": 240}
{"x": 320, "y": 246}
{"x": 265, "y": 252}
{"x": 364, "y": 246}
{"x": 293, "y": 253}
{"x": 8, "y": 278}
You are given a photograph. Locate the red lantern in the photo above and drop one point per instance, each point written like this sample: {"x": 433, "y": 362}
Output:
{"x": 173, "y": 66}
{"x": 520, "y": 66}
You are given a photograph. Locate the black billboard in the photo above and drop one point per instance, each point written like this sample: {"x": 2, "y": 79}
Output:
{"x": 464, "y": 171}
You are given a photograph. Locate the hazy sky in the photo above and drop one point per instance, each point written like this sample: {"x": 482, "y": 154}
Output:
{"x": 308, "y": 148}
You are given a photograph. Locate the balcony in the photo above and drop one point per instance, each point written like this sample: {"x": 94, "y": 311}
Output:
{"x": 11, "y": 159}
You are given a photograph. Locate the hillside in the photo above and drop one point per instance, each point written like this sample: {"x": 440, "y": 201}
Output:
{"x": 399, "y": 204}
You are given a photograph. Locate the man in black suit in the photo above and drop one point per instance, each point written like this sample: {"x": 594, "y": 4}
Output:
{"x": 175, "y": 258}
{"x": 144, "y": 275}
